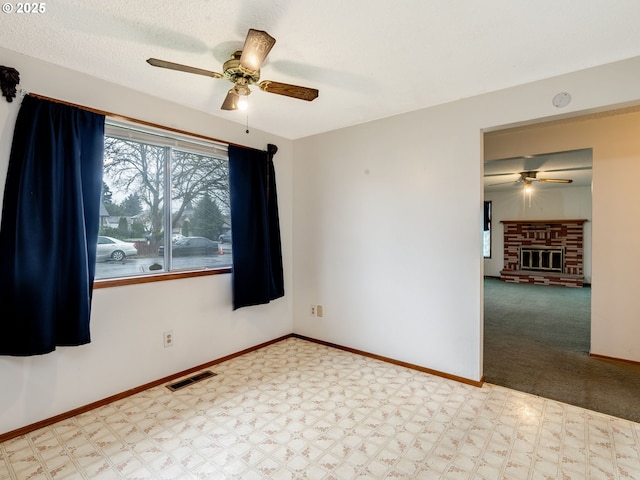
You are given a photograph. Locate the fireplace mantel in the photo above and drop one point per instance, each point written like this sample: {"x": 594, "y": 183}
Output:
{"x": 566, "y": 234}
{"x": 578, "y": 221}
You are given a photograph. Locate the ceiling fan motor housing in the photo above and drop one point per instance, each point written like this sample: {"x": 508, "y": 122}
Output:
{"x": 234, "y": 72}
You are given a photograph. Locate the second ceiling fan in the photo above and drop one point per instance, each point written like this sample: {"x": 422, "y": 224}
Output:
{"x": 527, "y": 178}
{"x": 243, "y": 70}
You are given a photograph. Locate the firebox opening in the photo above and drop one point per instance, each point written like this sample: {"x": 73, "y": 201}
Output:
{"x": 549, "y": 259}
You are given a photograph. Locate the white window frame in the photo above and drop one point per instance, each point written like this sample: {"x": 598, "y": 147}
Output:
{"x": 171, "y": 140}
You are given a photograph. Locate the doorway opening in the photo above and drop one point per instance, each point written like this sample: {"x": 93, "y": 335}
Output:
{"x": 607, "y": 379}
{"x": 532, "y": 330}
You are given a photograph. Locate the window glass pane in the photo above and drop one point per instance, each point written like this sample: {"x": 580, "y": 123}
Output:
{"x": 199, "y": 210}
{"x": 487, "y": 243}
{"x": 132, "y": 208}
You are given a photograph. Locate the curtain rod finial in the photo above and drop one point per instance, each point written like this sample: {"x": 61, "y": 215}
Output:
{"x": 9, "y": 78}
{"x": 272, "y": 149}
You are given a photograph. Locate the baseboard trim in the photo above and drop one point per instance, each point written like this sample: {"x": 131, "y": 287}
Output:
{"x": 127, "y": 393}
{"x": 430, "y": 371}
{"x": 614, "y": 359}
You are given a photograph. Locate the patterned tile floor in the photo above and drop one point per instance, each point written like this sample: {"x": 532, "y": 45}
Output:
{"x": 298, "y": 410}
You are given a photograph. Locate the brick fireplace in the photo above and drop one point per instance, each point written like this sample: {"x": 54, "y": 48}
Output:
{"x": 545, "y": 252}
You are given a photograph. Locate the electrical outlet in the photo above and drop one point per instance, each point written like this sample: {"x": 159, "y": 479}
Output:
{"x": 312, "y": 312}
{"x": 168, "y": 338}
{"x": 318, "y": 310}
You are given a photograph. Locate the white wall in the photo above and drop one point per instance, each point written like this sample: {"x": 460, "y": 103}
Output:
{"x": 380, "y": 208}
{"x": 128, "y": 322}
{"x": 551, "y": 203}
{"x": 388, "y": 219}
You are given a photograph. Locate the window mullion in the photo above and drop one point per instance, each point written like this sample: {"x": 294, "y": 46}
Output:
{"x": 168, "y": 220}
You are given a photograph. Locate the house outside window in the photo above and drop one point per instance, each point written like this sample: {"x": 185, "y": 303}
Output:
{"x": 165, "y": 203}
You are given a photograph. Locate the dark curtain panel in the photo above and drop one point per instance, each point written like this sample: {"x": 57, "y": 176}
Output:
{"x": 257, "y": 253}
{"x": 49, "y": 229}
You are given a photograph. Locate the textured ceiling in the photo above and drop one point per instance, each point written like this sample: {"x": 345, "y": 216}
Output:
{"x": 369, "y": 59}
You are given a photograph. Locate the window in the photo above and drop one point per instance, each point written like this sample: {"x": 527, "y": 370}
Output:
{"x": 165, "y": 203}
{"x": 487, "y": 230}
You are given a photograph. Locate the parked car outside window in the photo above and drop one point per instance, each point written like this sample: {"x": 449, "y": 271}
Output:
{"x": 110, "y": 248}
{"x": 191, "y": 246}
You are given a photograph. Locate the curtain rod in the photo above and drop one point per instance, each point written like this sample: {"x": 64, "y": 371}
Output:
{"x": 131, "y": 119}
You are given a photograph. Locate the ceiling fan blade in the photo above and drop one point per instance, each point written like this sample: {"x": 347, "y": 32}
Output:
{"x": 487, "y": 175}
{"x": 183, "y": 68}
{"x": 555, "y": 180}
{"x": 512, "y": 182}
{"x": 256, "y": 47}
{"x": 231, "y": 101}
{"x": 293, "y": 91}
{"x": 499, "y": 184}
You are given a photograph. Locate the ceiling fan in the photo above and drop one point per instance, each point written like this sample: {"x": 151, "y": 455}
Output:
{"x": 527, "y": 178}
{"x": 243, "y": 70}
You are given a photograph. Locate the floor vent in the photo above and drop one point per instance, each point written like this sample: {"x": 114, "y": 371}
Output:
{"x": 191, "y": 380}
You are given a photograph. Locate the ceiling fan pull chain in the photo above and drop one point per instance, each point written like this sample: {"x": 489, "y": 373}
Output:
{"x": 247, "y": 130}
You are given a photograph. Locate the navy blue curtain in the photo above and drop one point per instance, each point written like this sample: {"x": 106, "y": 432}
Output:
{"x": 49, "y": 229}
{"x": 257, "y": 252}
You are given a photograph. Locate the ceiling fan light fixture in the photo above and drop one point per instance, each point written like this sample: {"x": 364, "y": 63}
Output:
{"x": 242, "y": 91}
{"x": 527, "y": 191}
{"x": 257, "y": 46}
{"x": 231, "y": 101}
{"x": 237, "y": 97}
{"x": 241, "y": 88}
